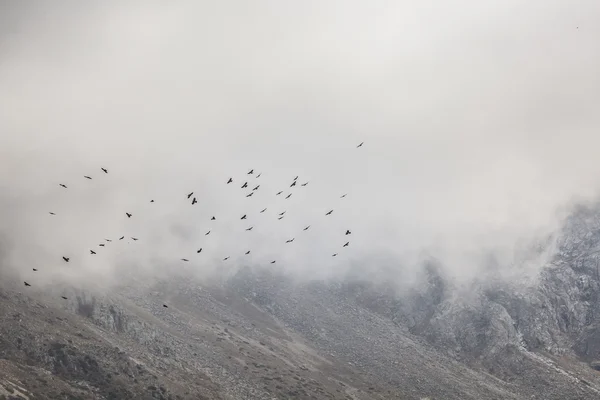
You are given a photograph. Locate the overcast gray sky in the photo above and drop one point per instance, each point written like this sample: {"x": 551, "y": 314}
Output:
{"x": 480, "y": 121}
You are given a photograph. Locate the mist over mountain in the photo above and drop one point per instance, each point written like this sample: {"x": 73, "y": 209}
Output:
{"x": 471, "y": 269}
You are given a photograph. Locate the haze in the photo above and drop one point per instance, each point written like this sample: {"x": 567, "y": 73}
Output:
{"x": 479, "y": 119}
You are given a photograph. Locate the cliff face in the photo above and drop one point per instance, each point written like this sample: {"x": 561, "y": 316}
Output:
{"x": 259, "y": 335}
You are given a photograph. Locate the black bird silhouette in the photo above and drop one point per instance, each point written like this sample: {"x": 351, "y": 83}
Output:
{"x": 226, "y": 258}
{"x": 360, "y": 145}
{"x": 65, "y": 186}
{"x": 165, "y": 306}
{"x": 288, "y": 196}
{"x": 213, "y": 218}
{"x": 199, "y": 250}
{"x": 34, "y": 270}
{"x": 229, "y": 181}
{"x": 184, "y": 259}
{"x": 207, "y": 233}
{"x": 248, "y": 252}
{"x": 348, "y": 232}
{"x": 64, "y": 298}
{"x": 66, "y": 259}
{"x": 122, "y": 237}
{"x": 250, "y": 172}
{"x": 290, "y": 240}
{"x": 108, "y": 240}
{"x": 251, "y": 193}
{"x": 281, "y": 213}
{"x": 279, "y": 193}
{"x": 92, "y": 252}
{"x": 87, "y": 177}
{"x": 304, "y": 184}
{"x": 190, "y": 195}
{"x": 51, "y": 213}
{"x": 26, "y": 284}
{"x": 243, "y": 217}
{"x": 105, "y": 170}
{"x": 128, "y": 215}
{"x": 249, "y": 229}
{"x": 296, "y": 178}
{"x": 256, "y": 188}
{"x": 293, "y": 184}
{"x": 263, "y": 210}
{"x": 134, "y": 238}
{"x": 346, "y": 245}
{"x": 101, "y": 245}
{"x": 194, "y": 201}
{"x": 305, "y": 229}
{"x": 151, "y": 201}
{"x": 273, "y": 262}
{"x": 329, "y": 212}
{"x": 344, "y": 195}
{"x": 245, "y": 185}
{"x": 258, "y": 176}
{"x": 333, "y": 255}
{"x": 280, "y": 217}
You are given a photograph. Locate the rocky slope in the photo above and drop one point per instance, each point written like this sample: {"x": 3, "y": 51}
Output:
{"x": 260, "y": 335}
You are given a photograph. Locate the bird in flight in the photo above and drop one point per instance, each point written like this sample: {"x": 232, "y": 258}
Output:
{"x": 249, "y": 229}
{"x": 229, "y": 181}
{"x": 258, "y": 176}
{"x": 296, "y": 177}
{"x": 207, "y": 233}
{"x": 92, "y": 252}
{"x": 360, "y": 145}
{"x": 66, "y": 259}
{"x": 87, "y": 177}
{"x": 128, "y": 215}
{"x": 344, "y": 195}
{"x": 256, "y": 188}
{"x": 248, "y": 252}
{"x": 64, "y": 297}
{"x": 251, "y": 193}
{"x": 280, "y": 217}
{"x": 134, "y": 238}
{"x": 293, "y": 184}
{"x": 122, "y": 237}
{"x": 243, "y": 217}
{"x": 288, "y": 196}
{"x": 226, "y": 258}
{"x": 305, "y": 229}
{"x": 281, "y": 213}
{"x": 348, "y": 232}
{"x": 108, "y": 240}
{"x": 185, "y": 259}
{"x": 165, "y": 306}
{"x": 263, "y": 210}
{"x": 34, "y": 270}
{"x": 213, "y": 218}
{"x": 245, "y": 185}
{"x": 304, "y": 184}
{"x": 26, "y": 284}
{"x": 273, "y": 262}
{"x": 250, "y": 172}
{"x": 151, "y": 201}
{"x": 65, "y": 186}
{"x": 290, "y": 240}
{"x": 333, "y": 255}
{"x": 190, "y": 195}
{"x": 346, "y": 245}
{"x": 199, "y": 250}
{"x": 194, "y": 201}
{"x": 51, "y": 213}
{"x": 329, "y": 212}
{"x": 105, "y": 170}
{"x": 279, "y": 193}
{"x": 101, "y": 245}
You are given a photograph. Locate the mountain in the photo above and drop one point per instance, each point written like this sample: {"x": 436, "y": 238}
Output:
{"x": 263, "y": 335}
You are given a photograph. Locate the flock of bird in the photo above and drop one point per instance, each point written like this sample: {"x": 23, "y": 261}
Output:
{"x": 190, "y": 196}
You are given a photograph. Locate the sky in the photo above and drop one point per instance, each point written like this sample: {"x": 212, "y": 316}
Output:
{"x": 479, "y": 122}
